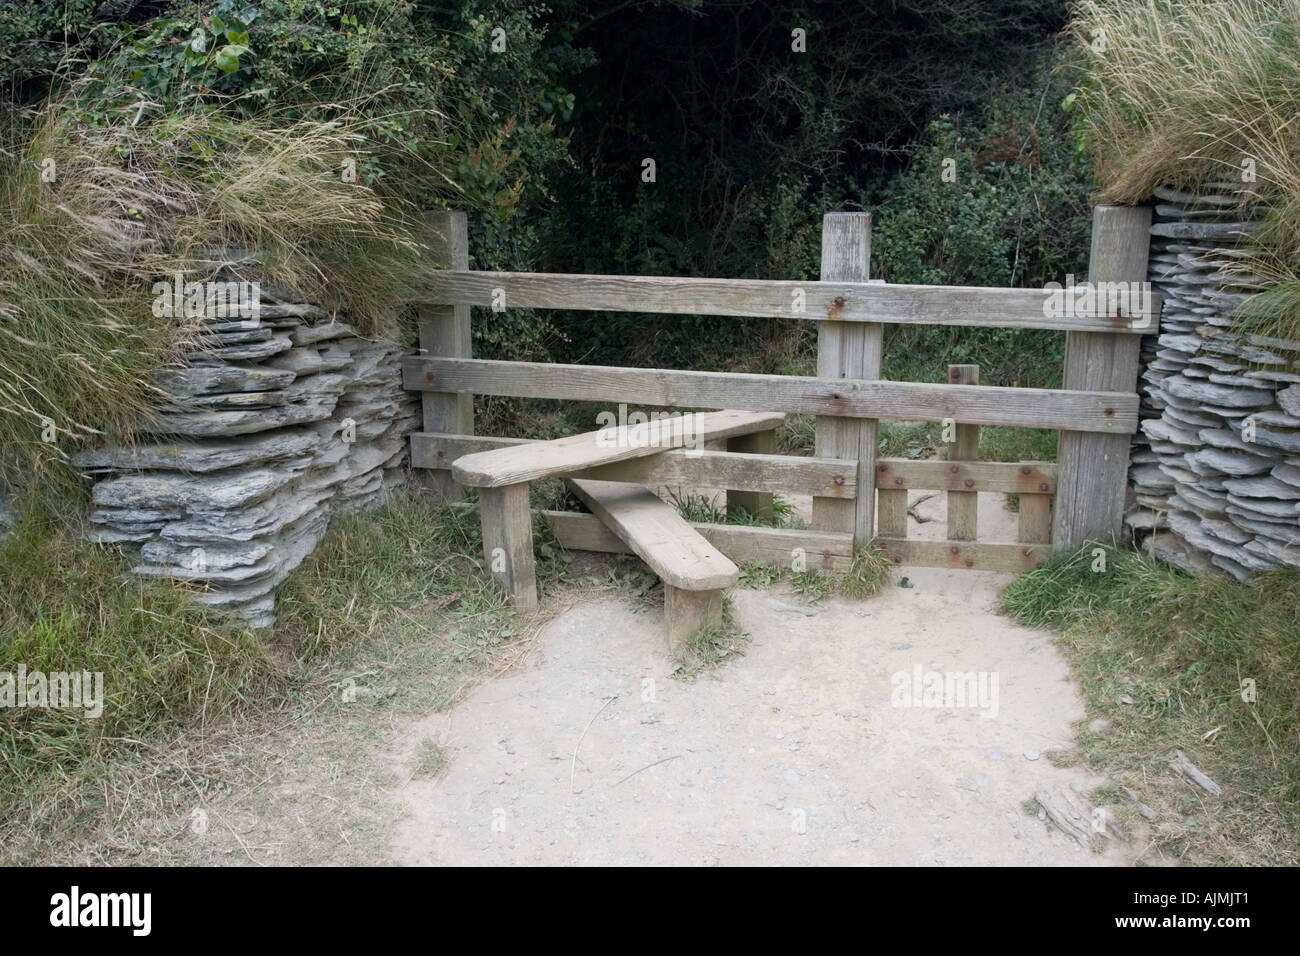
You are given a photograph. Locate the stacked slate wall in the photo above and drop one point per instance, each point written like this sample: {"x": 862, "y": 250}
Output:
{"x": 1216, "y": 463}
{"x": 265, "y": 433}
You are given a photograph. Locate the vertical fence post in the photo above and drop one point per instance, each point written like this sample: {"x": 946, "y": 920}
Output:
{"x": 848, "y": 350}
{"x": 1093, "y": 468}
{"x": 963, "y": 506}
{"x": 445, "y": 332}
{"x": 756, "y": 503}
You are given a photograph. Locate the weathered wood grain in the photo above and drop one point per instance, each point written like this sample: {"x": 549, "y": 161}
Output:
{"x": 968, "y": 555}
{"x": 891, "y": 512}
{"x": 656, "y": 533}
{"x": 445, "y": 330}
{"x": 508, "y": 542}
{"x": 688, "y": 612}
{"x": 743, "y": 544}
{"x": 848, "y": 350}
{"x": 519, "y": 463}
{"x": 1089, "y": 502}
{"x": 842, "y": 301}
{"x": 1035, "y": 477}
{"x": 756, "y": 503}
{"x": 1035, "y": 525}
{"x": 786, "y": 474}
{"x": 963, "y": 506}
{"x": 1112, "y": 413}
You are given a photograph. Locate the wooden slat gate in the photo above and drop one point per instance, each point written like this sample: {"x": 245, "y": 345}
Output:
{"x": 856, "y": 497}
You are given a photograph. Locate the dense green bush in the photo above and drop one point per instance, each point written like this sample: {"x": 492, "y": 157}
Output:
{"x": 1012, "y": 210}
{"x": 754, "y": 141}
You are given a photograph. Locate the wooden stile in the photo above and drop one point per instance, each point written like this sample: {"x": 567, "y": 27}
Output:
{"x": 855, "y": 496}
{"x": 787, "y": 474}
{"x": 564, "y": 456}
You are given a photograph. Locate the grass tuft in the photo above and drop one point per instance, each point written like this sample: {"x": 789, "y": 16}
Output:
{"x": 1183, "y": 93}
{"x": 868, "y": 573}
{"x": 430, "y": 759}
{"x": 710, "y": 647}
{"x": 145, "y": 192}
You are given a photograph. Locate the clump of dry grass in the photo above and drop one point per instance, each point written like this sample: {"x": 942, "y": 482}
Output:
{"x": 141, "y": 193}
{"x": 1183, "y": 92}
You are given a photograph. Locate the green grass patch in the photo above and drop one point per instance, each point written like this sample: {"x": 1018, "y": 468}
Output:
{"x": 1165, "y": 658}
{"x": 394, "y": 609}
{"x": 71, "y": 606}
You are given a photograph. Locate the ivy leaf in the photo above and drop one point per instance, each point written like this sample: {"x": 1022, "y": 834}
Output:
{"x": 228, "y": 57}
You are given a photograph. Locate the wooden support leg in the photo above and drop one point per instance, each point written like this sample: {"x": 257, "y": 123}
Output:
{"x": 757, "y": 503}
{"x": 508, "y": 542}
{"x": 688, "y": 612}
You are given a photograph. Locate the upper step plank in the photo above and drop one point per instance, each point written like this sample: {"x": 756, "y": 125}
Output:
{"x": 661, "y": 537}
{"x": 510, "y": 466}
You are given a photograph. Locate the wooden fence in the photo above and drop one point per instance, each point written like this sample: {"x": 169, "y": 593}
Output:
{"x": 856, "y": 497}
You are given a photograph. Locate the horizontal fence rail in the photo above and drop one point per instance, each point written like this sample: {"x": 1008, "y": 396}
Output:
{"x": 821, "y": 550}
{"x": 1125, "y": 311}
{"x": 1106, "y": 412}
{"x": 1036, "y": 477}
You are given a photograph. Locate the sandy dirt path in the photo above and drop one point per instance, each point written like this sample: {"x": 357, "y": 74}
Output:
{"x": 802, "y": 751}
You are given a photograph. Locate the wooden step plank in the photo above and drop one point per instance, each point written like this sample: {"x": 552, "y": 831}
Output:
{"x": 1112, "y": 413}
{"x": 836, "y": 300}
{"x": 513, "y": 465}
{"x": 784, "y": 474}
{"x": 661, "y": 537}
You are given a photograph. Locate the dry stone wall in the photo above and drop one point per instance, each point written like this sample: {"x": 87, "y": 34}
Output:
{"x": 265, "y": 434}
{"x": 1216, "y": 464}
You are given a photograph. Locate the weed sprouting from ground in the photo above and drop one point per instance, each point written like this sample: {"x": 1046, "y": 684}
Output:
{"x": 430, "y": 759}
{"x": 868, "y": 573}
{"x": 811, "y": 585}
{"x": 710, "y": 647}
